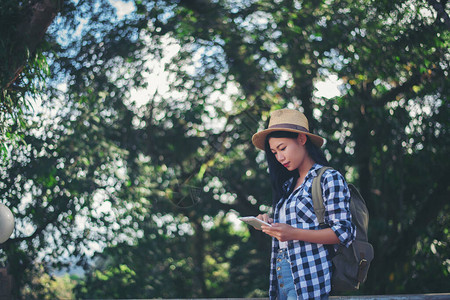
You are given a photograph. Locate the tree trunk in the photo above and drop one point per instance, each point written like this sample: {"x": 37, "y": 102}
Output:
{"x": 198, "y": 255}
{"x": 362, "y": 152}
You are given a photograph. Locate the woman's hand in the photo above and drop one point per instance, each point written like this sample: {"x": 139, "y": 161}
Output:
{"x": 282, "y": 232}
{"x": 265, "y": 218}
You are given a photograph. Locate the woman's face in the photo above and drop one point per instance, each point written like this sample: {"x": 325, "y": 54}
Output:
{"x": 289, "y": 152}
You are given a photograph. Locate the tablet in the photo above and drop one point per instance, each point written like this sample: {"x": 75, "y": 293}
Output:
{"x": 255, "y": 222}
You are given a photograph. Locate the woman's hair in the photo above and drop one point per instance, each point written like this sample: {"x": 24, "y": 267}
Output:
{"x": 279, "y": 174}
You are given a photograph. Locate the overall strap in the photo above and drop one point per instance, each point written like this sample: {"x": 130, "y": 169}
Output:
{"x": 317, "y": 197}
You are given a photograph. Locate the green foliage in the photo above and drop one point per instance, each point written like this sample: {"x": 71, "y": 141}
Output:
{"x": 23, "y": 71}
{"x": 147, "y": 270}
{"x": 157, "y": 186}
{"x": 52, "y": 287}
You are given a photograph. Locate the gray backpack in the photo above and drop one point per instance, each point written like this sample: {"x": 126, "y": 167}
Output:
{"x": 350, "y": 265}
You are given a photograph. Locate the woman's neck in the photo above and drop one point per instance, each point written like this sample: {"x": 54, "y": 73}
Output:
{"x": 305, "y": 167}
{"x": 303, "y": 171}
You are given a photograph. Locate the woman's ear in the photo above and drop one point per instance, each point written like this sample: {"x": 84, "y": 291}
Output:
{"x": 301, "y": 138}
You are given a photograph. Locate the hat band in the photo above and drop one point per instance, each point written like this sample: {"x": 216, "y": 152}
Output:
{"x": 289, "y": 126}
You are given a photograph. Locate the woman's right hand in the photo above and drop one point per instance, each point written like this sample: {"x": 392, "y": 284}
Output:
{"x": 265, "y": 218}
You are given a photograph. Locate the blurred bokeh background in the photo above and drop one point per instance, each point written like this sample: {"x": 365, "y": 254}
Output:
{"x": 126, "y": 138}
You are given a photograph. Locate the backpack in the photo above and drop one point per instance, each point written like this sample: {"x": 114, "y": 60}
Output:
{"x": 350, "y": 265}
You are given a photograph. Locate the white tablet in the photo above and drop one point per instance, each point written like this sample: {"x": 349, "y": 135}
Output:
{"x": 255, "y": 222}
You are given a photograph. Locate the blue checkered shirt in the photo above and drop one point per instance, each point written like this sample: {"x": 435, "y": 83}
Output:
{"x": 311, "y": 263}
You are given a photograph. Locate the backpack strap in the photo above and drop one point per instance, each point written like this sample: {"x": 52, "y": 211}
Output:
{"x": 317, "y": 197}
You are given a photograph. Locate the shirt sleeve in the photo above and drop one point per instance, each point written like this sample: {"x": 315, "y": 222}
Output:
{"x": 336, "y": 195}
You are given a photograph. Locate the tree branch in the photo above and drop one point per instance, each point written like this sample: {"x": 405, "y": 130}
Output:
{"x": 31, "y": 31}
{"x": 392, "y": 94}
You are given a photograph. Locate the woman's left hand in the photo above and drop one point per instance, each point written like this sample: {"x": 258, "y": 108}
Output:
{"x": 282, "y": 232}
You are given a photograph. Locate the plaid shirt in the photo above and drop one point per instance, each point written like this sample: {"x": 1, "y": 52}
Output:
{"x": 311, "y": 263}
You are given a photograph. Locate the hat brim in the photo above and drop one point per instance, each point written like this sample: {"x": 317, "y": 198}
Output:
{"x": 259, "y": 138}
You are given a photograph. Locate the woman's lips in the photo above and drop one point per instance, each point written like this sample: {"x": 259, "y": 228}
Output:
{"x": 286, "y": 165}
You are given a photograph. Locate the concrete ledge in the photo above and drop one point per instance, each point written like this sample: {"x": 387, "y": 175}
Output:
{"x": 369, "y": 297}
{"x": 397, "y": 297}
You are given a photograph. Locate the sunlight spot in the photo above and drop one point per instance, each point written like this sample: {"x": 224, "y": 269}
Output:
{"x": 328, "y": 88}
{"x": 123, "y": 8}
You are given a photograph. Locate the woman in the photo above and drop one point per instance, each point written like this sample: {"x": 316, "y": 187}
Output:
{"x": 301, "y": 262}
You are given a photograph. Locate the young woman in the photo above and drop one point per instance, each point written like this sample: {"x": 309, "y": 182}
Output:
{"x": 301, "y": 265}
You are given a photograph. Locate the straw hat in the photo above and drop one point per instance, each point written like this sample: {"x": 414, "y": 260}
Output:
{"x": 286, "y": 120}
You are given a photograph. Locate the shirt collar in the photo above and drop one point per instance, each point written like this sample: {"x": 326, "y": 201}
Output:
{"x": 313, "y": 172}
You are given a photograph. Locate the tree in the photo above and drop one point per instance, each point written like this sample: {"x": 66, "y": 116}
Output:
{"x": 396, "y": 109}
{"x": 175, "y": 171}
{"x": 22, "y": 63}
{"x": 57, "y": 180}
